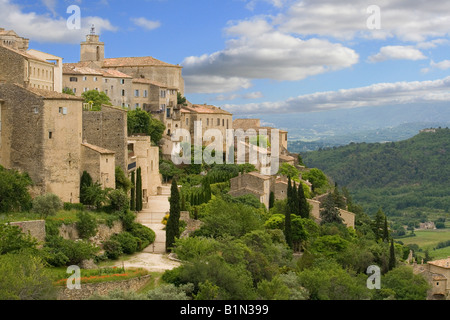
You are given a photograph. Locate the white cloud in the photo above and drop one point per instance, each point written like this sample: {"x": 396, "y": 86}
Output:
{"x": 214, "y": 84}
{"x": 375, "y": 95}
{"x": 259, "y": 51}
{"x": 43, "y": 28}
{"x": 146, "y": 24}
{"x": 407, "y": 20}
{"x": 397, "y": 53}
{"x": 249, "y": 96}
{"x": 442, "y": 65}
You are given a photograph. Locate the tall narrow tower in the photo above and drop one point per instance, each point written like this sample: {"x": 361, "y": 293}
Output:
{"x": 92, "y": 50}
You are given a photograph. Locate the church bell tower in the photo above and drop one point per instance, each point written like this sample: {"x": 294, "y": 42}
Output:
{"x": 92, "y": 50}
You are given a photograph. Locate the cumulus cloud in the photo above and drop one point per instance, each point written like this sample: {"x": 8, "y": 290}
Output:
{"x": 407, "y": 20}
{"x": 43, "y": 28}
{"x": 245, "y": 96}
{"x": 397, "y": 53}
{"x": 146, "y": 24}
{"x": 257, "y": 50}
{"x": 375, "y": 95}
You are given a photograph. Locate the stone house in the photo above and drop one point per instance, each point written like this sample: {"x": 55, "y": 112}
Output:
{"x": 99, "y": 163}
{"x": 41, "y": 135}
{"x": 437, "y": 273}
{"x": 262, "y": 185}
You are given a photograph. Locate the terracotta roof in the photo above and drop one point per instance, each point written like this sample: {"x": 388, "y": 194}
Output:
{"x": 53, "y": 95}
{"x": 148, "y": 81}
{"x": 135, "y": 61}
{"x": 25, "y": 55}
{"x": 443, "y": 263}
{"x": 75, "y": 68}
{"x": 205, "y": 109}
{"x": 97, "y": 148}
{"x": 109, "y": 73}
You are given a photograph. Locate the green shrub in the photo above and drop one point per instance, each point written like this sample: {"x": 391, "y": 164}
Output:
{"x": 113, "y": 249}
{"x": 144, "y": 234}
{"x": 12, "y": 239}
{"x": 128, "y": 242}
{"x": 76, "y": 251}
{"x": 119, "y": 200}
{"x": 47, "y": 205}
{"x": 73, "y": 206}
{"x": 23, "y": 277}
{"x": 87, "y": 225}
{"x": 14, "y": 195}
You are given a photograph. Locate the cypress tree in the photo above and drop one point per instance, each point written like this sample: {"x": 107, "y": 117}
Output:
{"x": 287, "y": 220}
{"x": 271, "y": 200}
{"x": 385, "y": 230}
{"x": 86, "y": 181}
{"x": 138, "y": 190}
{"x": 302, "y": 203}
{"x": 173, "y": 223}
{"x": 392, "y": 262}
{"x": 133, "y": 192}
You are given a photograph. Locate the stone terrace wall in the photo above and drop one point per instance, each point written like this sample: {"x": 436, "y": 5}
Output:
{"x": 35, "y": 228}
{"x": 90, "y": 289}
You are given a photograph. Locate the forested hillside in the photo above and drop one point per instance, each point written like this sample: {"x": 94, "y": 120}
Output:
{"x": 406, "y": 176}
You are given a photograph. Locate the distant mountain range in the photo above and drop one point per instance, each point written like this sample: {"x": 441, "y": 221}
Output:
{"x": 370, "y": 124}
{"x": 407, "y": 176}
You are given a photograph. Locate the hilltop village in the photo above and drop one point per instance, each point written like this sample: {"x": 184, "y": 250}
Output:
{"x": 54, "y": 136}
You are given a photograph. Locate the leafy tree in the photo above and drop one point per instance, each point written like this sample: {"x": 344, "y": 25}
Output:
{"x": 141, "y": 122}
{"x": 170, "y": 292}
{"x": 405, "y": 284}
{"x": 14, "y": 194}
{"x": 119, "y": 200}
{"x": 96, "y": 98}
{"x": 173, "y": 223}
{"x": 289, "y": 171}
{"x": 68, "y": 91}
{"x": 122, "y": 182}
{"x": 23, "y": 277}
{"x": 180, "y": 99}
{"x": 13, "y": 240}
{"x": 86, "y": 181}
{"x": 378, "y": 224}
{"x": 47, "y": 205}
{"x": 87, "y": 225}
{"x": 94, "y": 195}
{"x": 317, "y": 178}
{"x": 329, "y": 213}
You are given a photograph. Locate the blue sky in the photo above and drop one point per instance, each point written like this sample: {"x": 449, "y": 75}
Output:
{"x": 265, "y": 56}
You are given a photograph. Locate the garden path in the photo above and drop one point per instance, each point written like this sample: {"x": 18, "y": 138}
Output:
{"x": 154, "y": 257}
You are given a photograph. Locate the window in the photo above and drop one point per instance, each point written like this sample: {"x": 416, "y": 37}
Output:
{"x": 145, "y": 93}
{"x": 84, "y": 78}
{"x": 122, "y": 81}
{"x": 136, "y": 93}
{"x": 136, "y": 105}
{"x": 86, "y": 89}
{"x": 223, "y": 122}
{"x": 207, "y": 122}
{"x": 50, "y": 134}
{"x": 123, "y": 93}
{"x": 106, "y": 91}
{"x": 74, "y": 90}
{"x": 73, "y": 79}
{"x": 168, "y": 113}
{"x": 63, "y": 110}
{"x": 187, "y": 121}
{"x": 95, "y": 79}
{"x": 218, "y": 122}
{"x": 163, "y": 93}
{"x": 35, "y": 110}
{"x": 106, "y": 80}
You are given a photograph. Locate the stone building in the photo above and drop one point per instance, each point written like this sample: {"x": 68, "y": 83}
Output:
{"x": 262, "y": 185}
{"x": 147, "y": 158}
{"x": 99, "y": 163}
{"x": 26, "y": 70}
{"x": 255, "y": 124}
{"x": 41, "y": 135}
{"x": 437, "y": 273}
{"x": 108, "y": 129}
{"x": 9, "y": 38}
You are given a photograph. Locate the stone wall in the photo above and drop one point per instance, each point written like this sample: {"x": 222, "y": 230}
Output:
{"x": 108, "y": 129}
{"x": 35, "y": 228}
{"x": 12, "y": 66}
{"x": 90, "y": 289}
{"x": 104, "y": 232}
